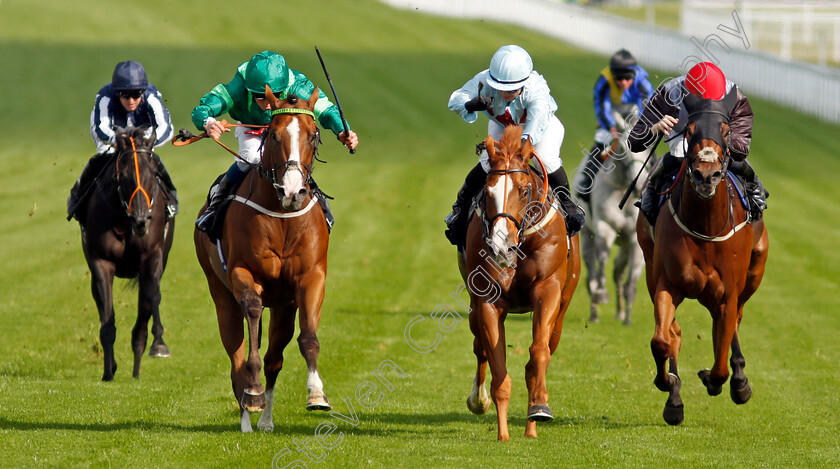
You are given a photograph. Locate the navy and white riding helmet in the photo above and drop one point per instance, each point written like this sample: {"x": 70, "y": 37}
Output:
{"x": 129, "y": 75}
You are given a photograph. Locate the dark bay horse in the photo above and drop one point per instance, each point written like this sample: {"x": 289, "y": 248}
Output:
{"x": 705, "y": 247}
{"x": 518, "y": 258}
{"x": 273, "y": 254}
{"x": 126, "y": 233}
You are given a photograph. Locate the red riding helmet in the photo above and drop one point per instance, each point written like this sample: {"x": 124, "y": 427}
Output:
{"x": 705, "y": 80}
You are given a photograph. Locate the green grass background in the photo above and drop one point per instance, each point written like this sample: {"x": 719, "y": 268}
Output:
{"x": 389, "y": 262}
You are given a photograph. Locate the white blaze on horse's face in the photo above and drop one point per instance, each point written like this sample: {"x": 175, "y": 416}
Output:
{"x": 705, "y": 181}
{"x": 707, "y": 155}
{"x": 292, "y": 181}
{"x": 500, "y": 243}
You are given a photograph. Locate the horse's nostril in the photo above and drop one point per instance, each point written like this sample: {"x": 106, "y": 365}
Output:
{"x": 302, "y": 192}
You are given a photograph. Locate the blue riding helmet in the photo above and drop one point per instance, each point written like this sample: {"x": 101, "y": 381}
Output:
{"x": 129, "y": 75}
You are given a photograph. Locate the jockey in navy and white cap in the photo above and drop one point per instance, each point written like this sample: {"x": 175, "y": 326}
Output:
{"x": 128, "y": 101}
{"x": 511, "y": 92}
{"x": 128, "y": 83}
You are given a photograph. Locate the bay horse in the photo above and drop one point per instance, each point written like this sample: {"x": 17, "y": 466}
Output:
{"x": 704, "y": 247}
{"x": 272, "y": 253}
{"x": 517, "y": 244}
{"x": 126, "y": 233}
{"x": 607, "y": 225}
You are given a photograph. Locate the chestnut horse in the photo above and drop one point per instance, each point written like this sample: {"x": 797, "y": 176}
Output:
{"x": 705, "y": 247}
{"x": 126, "y": 233}
{"x": 272, "y": 253}
{"x": 517, "y": 244}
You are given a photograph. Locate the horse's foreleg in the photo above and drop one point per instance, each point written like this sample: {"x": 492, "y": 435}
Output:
{"x": 250, "y": 303}
{"x": 664, "y": 311}
{"x": 148, "y": 306}
{"x": 281, "y": 329}
{"x": 724, "y": 324}
{"x": 158, "y": 348}
{"x": 665, "y": 345}
{"x": 620, "y": 274}
{"x": 739, "y": 386}
{"x": 232, "y": 334}
{"x": 101, "y": 285}
{"x": 635, "y": 266}
{"x": 492, "y": 330}
{"x": 479, "y": 401}
{"x": 546, "y": 299}
{"x": 587, "y": 244}
{"x": 310, "y": 297}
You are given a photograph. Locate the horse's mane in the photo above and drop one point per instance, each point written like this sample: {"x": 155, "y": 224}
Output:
{"x": 511, "y": 141}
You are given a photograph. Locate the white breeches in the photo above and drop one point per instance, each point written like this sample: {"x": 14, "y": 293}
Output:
{"x": 548, "y": 149}
{"x": 249, "y": 148}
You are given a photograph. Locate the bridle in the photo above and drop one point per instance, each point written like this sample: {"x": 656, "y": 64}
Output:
{"x": 127, "y": 204}
{"x": 274, "y": 172}
{"x": 711, "y": 115}
{"x": 487, "y": 223}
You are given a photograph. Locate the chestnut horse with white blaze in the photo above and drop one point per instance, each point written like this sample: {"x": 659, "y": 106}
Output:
{"x": 706, "y": 247}
{"x": 272, "y": 253}
{"x": 517, "y": 241}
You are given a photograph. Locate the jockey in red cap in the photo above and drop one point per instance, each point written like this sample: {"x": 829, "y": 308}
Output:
{"x": 665, "y": 114}
{"x": 705, "y": 80}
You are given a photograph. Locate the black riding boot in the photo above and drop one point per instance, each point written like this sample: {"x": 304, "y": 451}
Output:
{"x": 755, "y": 189}
{"x": 575, "y": 217}
{"x": 649, "y": 203}
{"x": 166, "y": 182}
{"x": 324, "y": 203}
{"x": 593, "y": 164}
{"x": 219, "y": 193}
{"x": 457, "y": 220}
{"x": 82, "y": 187}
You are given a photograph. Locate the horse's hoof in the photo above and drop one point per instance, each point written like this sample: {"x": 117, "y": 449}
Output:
{"x": 740, "y": 396}
{"x": 253, "y": 402}
{"x": 159, "y": 351}
{"x": 108, "y": 378}
{"x": 540, "y": 413}
{"x": 594, "y": 319}
{"x": 479, "y": 407}
{"x": 265, "y": 427}
{"x": 600, "y": 297}
{"x": 620, "y": 316}
{"x": 318, "y": 403}
{"x": 704, "y": 376}
{"x": 673, "y": 415}
{"x": 627, "y": 321}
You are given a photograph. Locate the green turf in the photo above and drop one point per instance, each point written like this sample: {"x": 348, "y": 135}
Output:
{"x": 389, "y": 262}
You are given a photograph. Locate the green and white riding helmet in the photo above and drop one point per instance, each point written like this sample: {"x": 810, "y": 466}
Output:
{"x": 267, "y": 68}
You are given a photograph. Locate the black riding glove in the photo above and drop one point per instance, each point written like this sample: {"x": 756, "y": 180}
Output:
{"x": 479, "y": 103}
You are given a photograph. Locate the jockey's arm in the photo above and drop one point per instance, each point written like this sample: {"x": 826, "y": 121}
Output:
{"x": 740, "y": 125}
{"x": 647, "y": 128}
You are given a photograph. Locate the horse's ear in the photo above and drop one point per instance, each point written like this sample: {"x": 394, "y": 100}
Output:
{"x": 273, "y": 101}
{"x": 490, "y": 146}
{"x": 313, "y": 98}
{"x": 725, "y": 132}
{"x": 689, "y": 130}
{"x": 527, "y": 150}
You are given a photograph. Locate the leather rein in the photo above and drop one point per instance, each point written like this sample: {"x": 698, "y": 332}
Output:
{"x": 139, "y": 189}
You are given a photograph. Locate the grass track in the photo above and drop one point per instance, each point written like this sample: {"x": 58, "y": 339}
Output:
{"x": 389, "y": 262}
